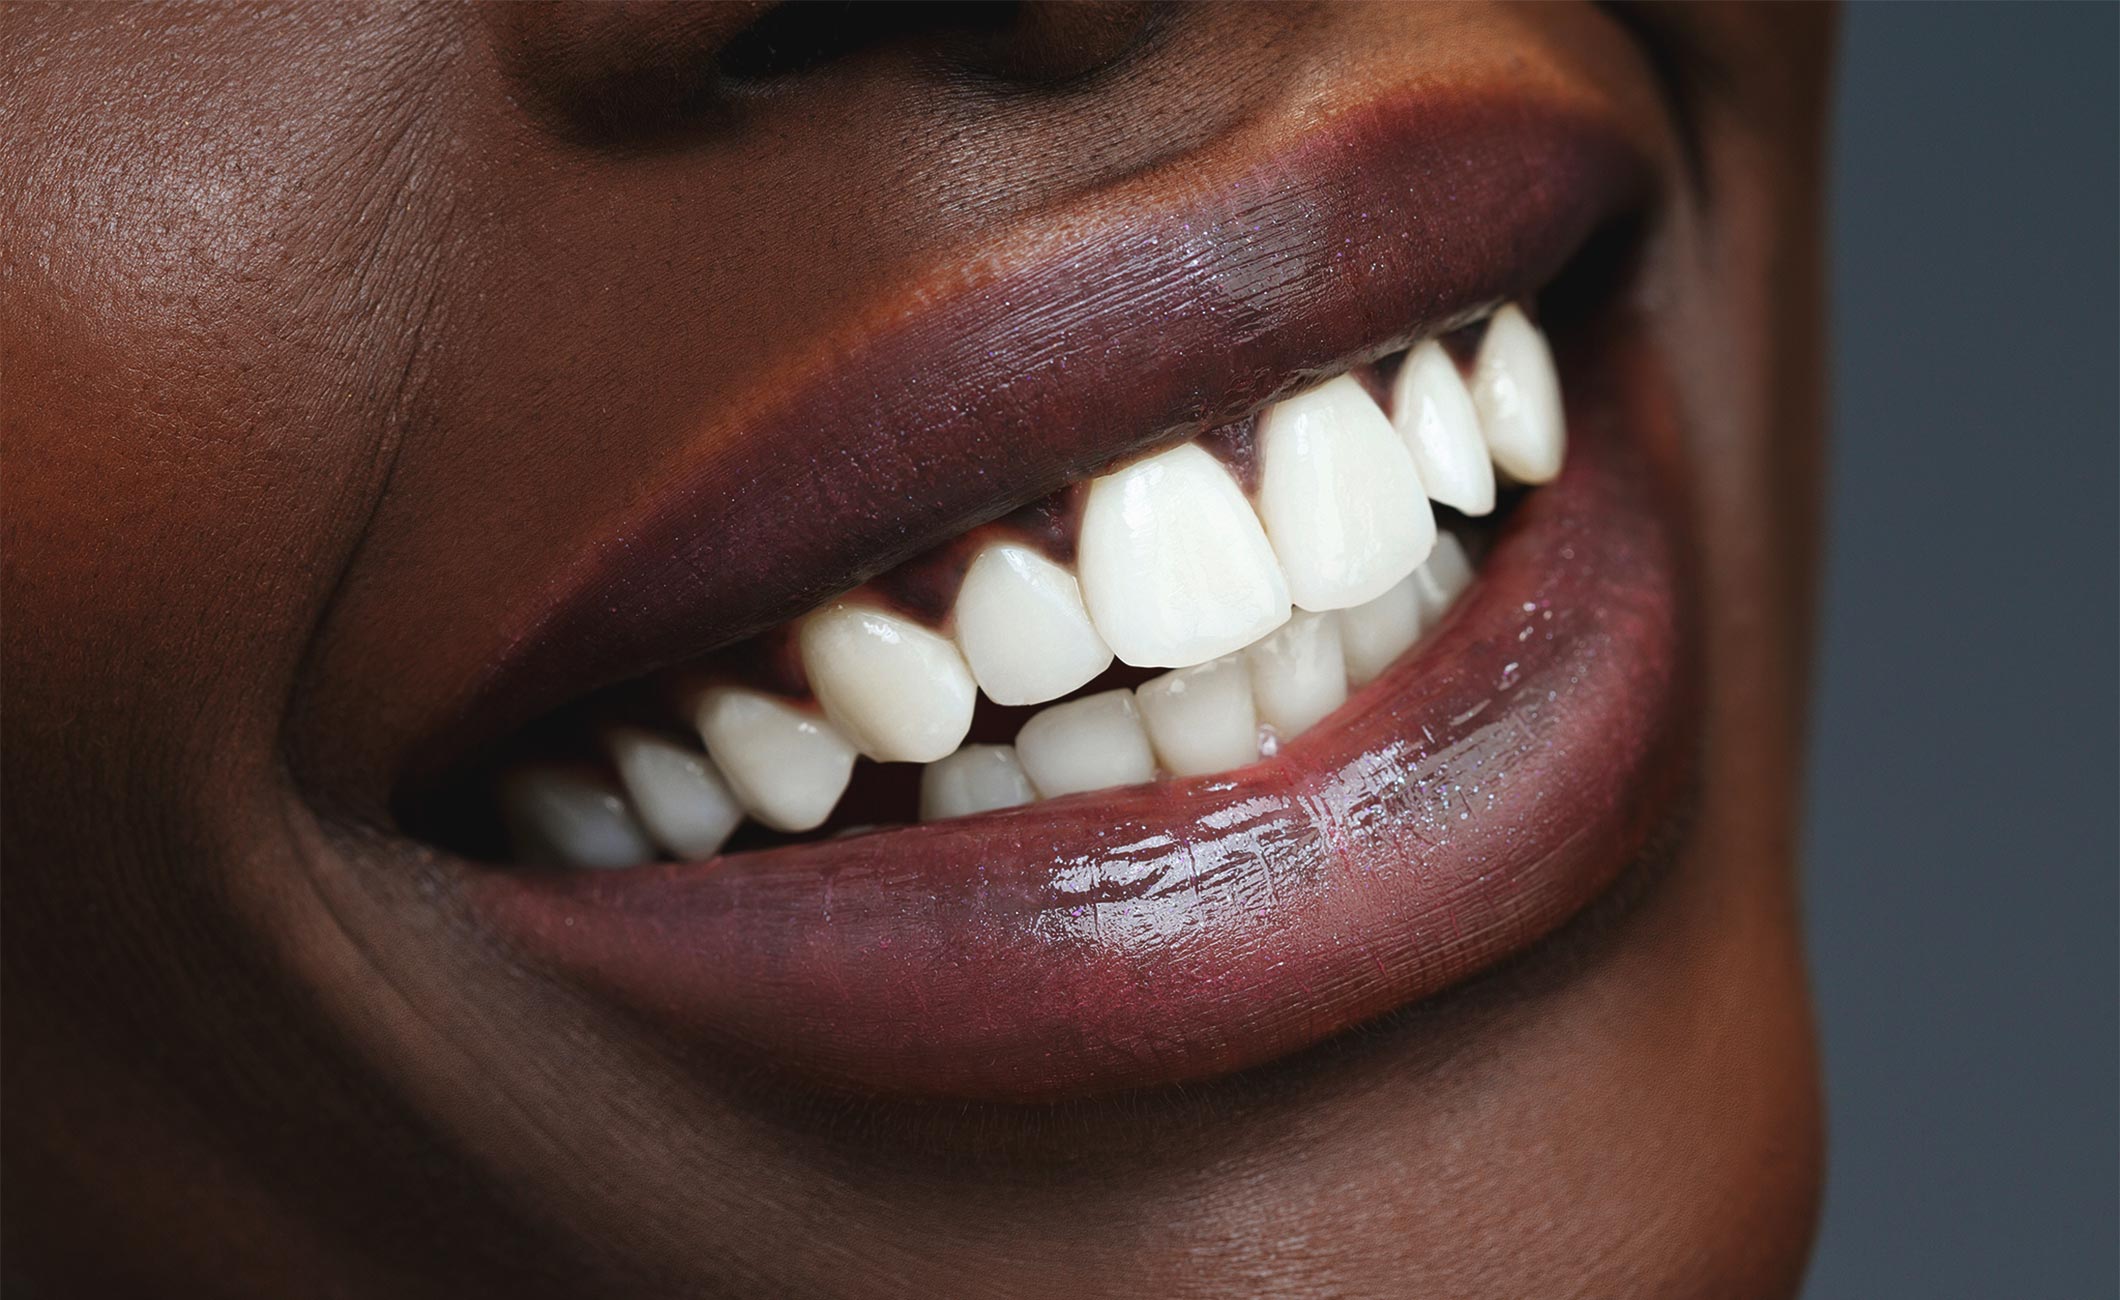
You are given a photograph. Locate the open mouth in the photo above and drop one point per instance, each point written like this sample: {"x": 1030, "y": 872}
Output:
{"x": 1059, "y": 714}
{"x": 1266, "y": 607}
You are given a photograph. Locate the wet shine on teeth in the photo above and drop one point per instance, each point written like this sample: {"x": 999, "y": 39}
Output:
{"x": 1266, "y": 609}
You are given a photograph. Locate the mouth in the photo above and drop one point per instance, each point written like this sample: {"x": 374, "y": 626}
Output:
{"x": 1147, "y": 659}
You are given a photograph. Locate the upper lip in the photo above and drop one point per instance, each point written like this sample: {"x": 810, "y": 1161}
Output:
{"x": 1486, "y": 792}
{"x": 1130, "y": 323}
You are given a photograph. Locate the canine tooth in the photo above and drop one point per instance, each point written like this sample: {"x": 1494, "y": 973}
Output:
{"x": 1372, "y": 635}
{"x": 1518, "y": 395}
{"x": 1175, "y": 567}
{"x": 1447, "y": 573}
{"x": 1339, "y": 495}
{"x": 1023, "y": 628}
{"x": 682, "y": 801}
{"x": 563, "y": 817}
{"x": 1201, "y": 719}
{"x": 1433, "y": 412}
{"x": 1087, "y": 744}
{"x": 898, "y": 691}
{"x": 1299, "y": 674}
{"x": 788, "y": 767}
{"x": 975, "y": 779}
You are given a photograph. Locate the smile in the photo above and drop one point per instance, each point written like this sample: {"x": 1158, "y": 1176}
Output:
{"x": 1133, "y": 720}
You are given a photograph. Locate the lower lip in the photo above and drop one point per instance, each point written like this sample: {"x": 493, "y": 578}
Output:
{"x": 1456, "y": 811}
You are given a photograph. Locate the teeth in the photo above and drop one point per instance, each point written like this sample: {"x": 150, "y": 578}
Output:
{"x": 564, "y": 817}
{"x": 1518, "y": 396}
{"x": 898, "y": 691}
{"x": 1087, "y": 744}
{"x": 1201, "y": 719}
{"x": 1339, "y": 496}
{"x": 1447, "y": 573}
{"x": 685, "y": 805}
{"x": 1267, "y": 613}
{"x": 1375, "y": 634}
{"x": 1175, "y": 567}
{"x": 1433, "y": 412}
{"x": 1299, "y": 674}
{"x": 975, "y": 779}
{"x": 787, "y": 767}
{"x": 1023, "y": 628}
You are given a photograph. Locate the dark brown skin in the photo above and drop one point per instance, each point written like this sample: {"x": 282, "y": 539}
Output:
{"x": 320, "y": 328}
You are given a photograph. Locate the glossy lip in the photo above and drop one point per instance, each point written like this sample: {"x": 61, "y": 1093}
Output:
{"x": 1455, "y": 811}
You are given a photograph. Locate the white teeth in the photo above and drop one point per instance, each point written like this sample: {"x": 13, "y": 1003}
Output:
{"x": 1086, "y": 744}
{"x": 1518, "y": 395}
{"x": 686, "y": 806}
{"x": 975, "y": 779}
{"x": 1447, "y": 573}
{"x": 1201, "y": 719}
{"x": 1023, "y": 627}
{"x": 1299, "y": 674}
{"x": 1175, "y": 567}
{"x": 900, "y": 692}
{"x": 1433, "y": 412}
{"x": 1373, "y": 635}
{"x": 1340, "y": 498}
{"x": 564, "y": 817}
{"x": 788, "y": 767}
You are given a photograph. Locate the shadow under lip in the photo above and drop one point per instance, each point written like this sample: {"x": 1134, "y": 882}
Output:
{"x": 1456, "y": 811}
{"x": 1129, "y": 329}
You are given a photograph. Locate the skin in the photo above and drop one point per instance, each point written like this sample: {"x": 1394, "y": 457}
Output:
{"x": 303, "y": 314}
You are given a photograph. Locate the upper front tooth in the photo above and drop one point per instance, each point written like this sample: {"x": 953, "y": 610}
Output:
{"x": 1299, "y": 674}
{"x": 1518, "y": 396}
{"x": 1434, "y": 414}
{"x": 1175, "y": 567}
{"x": 900, "y": 692}
{"x": 1339, "y": 495}
{"x": 564, "y": 817}
{"x": 975, "y": 779}
{"x": 1023, "y": 628}
{"x": 1374, "y": 634}
{"x": 787, "y": 766}
{"x": 686, "y": 806}
{"x": 1201, "y": 719}
{"x": 1086, "y": 744}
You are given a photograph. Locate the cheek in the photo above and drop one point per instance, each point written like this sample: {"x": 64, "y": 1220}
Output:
{"x": 209, "y": 374}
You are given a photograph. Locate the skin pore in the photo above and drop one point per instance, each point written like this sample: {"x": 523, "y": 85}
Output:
{"x": 330, "y": 335}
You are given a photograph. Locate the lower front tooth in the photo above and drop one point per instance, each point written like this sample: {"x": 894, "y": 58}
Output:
{"x": 1373, "y": 635}
{"x": 685, "y": 805}
{"x": 561, "y": 816}
{"x": 1088, "y": 744}
{"x": 1201, "y": 720}
{"x": 1299, "y": 674}
{"x": 788, "y": 767}
{"x": 1440, "y": 581}
{"x": 975, "y": 779}
{"x": 898, "y": 691}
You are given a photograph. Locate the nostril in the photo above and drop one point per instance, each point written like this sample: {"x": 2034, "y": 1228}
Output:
{"x": 1055, "y": 41}
{"x": 635, "y": 68}
{"x": 790, "y": 39}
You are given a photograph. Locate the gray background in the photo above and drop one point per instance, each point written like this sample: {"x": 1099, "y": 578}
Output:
{"x": 1962, "y": 863}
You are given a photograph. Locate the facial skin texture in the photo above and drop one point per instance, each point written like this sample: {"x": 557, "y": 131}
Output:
{"x": 327, "y": 333}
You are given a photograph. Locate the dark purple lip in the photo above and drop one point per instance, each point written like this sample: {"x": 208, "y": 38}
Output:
{"x": 1452, "y": 813}
{"x": 1133, "y": 327}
